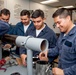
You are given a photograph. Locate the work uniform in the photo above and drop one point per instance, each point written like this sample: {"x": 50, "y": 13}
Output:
{"x": 66, "y": 50}
{"x": 4, "y": 27}
{"x": 45, "y": 33}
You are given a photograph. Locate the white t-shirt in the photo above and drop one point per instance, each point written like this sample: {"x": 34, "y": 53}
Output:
{"x": 38, "y": 31}
{"x": 26, "y": 27}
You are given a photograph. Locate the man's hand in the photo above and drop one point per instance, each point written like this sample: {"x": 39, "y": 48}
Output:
{"x": 57, "y": 71}
{"x": 7, "y": 46}
{"x": 43, "y": 56}
{"x": 23, "y": 57}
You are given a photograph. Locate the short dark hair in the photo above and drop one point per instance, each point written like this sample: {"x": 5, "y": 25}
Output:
{"x": 62, "y": 12}
{"x": 5, "y": 12}
{"x": 37, "y": 13}
{"x": 25, "y": 12}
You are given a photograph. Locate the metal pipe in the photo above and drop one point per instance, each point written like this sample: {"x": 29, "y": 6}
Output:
{"x": 29, "y": 62}
{"x": 9, "y": 38}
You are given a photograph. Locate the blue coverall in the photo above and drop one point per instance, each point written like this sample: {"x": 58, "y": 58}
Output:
{"x": 4, "y": 27}
{"x": 46, "y": 33}
{"x": 66, "y": 50}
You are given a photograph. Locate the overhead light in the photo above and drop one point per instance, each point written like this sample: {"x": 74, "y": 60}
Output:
{"x": 68, "y": 6}
{"x": 48, "y": 1}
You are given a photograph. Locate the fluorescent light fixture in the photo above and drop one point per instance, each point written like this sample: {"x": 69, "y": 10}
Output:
{"x": 68, "y": 6}
{"x": 48, "y": 1}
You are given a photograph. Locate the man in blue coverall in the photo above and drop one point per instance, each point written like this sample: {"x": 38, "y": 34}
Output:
{"x": 24, "y": 25}
{"x": 66, "y": 44}
{"x": 5, "y": 16}
{"x": 39, "y": 30}
{"x": 4, "y": 26}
